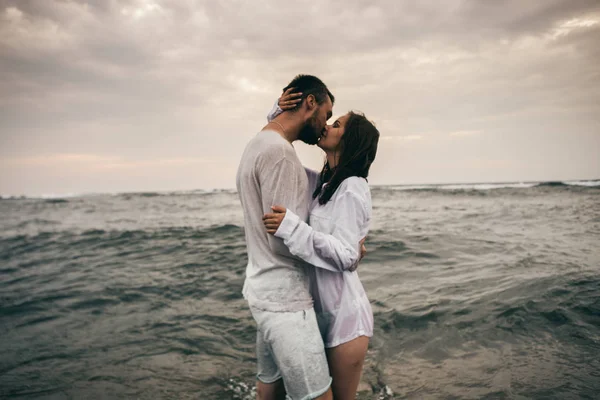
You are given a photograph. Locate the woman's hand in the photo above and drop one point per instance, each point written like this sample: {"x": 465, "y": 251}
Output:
{"x": 289, "y": 100}
{"x": 273, "y": 220}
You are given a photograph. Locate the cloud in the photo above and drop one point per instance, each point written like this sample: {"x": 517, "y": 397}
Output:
{"x": 53, "y": 159}
{"x": 464, "y": 133}
{"x": 407, "y": 138}
{"x": 164, "y": 80}
{"x": 100, "y": 161}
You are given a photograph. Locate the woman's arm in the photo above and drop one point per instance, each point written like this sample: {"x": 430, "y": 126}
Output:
{"x": 275, "y": 111}
{"x": 287, "y": 101}
{"x": 338, "y": 251}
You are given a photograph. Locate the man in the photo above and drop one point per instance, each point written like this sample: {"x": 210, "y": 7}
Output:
{"x": 290, "y": 352}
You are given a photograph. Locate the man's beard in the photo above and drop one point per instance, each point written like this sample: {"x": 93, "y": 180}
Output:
{"x": 308, "y": 133}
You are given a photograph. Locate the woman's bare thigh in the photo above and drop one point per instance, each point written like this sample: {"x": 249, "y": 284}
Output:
{"x": 345, "y": 365}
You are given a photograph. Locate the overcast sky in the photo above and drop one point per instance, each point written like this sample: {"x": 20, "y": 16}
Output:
{"x": 111, "y": 96}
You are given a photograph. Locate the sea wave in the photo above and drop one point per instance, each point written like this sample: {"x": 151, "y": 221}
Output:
{"x": 195, "y": 192}
{"x": 459, "y": 187}
{"x": 471, "y": 187}
{"x": 592, "y": 183}
{"x": 110, "y": 238}
{"x": 57, "y": 197}
{"x": 154, "y": 284}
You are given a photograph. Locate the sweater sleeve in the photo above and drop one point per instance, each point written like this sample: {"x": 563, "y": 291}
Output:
{"x": 338, "y": 251}
{"x": 313, "y": 180}
{"x": 280, "y": 185}
{"x": 275, "y": 111}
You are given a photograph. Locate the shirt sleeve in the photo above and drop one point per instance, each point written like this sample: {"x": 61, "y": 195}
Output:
{"x": 281, "y": 186}
{"x": 275, "y": 111}
{"x": 313, "y": 180}
{"x": 338, "y": 251}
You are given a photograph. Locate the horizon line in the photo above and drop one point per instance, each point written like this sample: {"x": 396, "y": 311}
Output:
{"x": 163, "y": 191}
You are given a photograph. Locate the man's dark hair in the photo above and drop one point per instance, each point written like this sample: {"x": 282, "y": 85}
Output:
{"x": 308, "y": 84}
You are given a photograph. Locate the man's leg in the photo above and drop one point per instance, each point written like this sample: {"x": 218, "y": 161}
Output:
{"x": 270, "y": 391}
{"x": 328, "y": 395}
{"x": 276, "y": 391}
{"x": 296, "y": 347}
{"x": 346, "y": 363}
{"x": 269, "y": 385}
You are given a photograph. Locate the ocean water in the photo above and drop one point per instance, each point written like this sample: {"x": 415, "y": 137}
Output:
{"x": 479, "y": 291}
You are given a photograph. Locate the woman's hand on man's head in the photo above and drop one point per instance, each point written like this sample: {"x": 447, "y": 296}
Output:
{"x": 289, "y": 100}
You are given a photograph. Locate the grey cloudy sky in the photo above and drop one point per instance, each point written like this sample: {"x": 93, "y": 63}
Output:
{"x": 107, "y": 96}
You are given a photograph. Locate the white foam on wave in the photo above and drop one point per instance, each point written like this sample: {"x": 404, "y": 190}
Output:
{"x": 468, "y": 186}
{"x": 489, "y": 186}
{"x": 241, "y": 390}
{"x": 583, "y": 183}
{"x": 50, "y": 196}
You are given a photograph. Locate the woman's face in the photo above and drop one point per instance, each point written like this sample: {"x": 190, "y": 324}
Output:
{"x": 330, "y": 140}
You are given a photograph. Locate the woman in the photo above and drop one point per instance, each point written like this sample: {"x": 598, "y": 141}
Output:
{"x": 339, "y": 217}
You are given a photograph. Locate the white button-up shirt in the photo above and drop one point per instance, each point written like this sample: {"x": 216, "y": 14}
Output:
{"x": 330, "y": 243}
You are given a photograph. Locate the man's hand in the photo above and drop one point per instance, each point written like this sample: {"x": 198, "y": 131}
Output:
{"x": 289, "y": 100}
{"x": 363, "y": 249}
{"x": 363, "y": 252}
{"x": 273, "y": 220}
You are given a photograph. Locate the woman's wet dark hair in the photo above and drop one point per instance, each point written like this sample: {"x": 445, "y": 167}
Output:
{"x": 358, "y": 151}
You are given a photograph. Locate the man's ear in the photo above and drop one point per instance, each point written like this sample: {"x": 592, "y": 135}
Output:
{"x": 311, "y": 102}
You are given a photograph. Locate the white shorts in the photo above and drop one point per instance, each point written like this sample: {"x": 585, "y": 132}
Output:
{"x": 289, "y": 346}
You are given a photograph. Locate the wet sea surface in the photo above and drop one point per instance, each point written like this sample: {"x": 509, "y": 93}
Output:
{"x": 479, "y": 291}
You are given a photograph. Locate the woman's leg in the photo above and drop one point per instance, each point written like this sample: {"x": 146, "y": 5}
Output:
{"x": 345, "y": 365}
